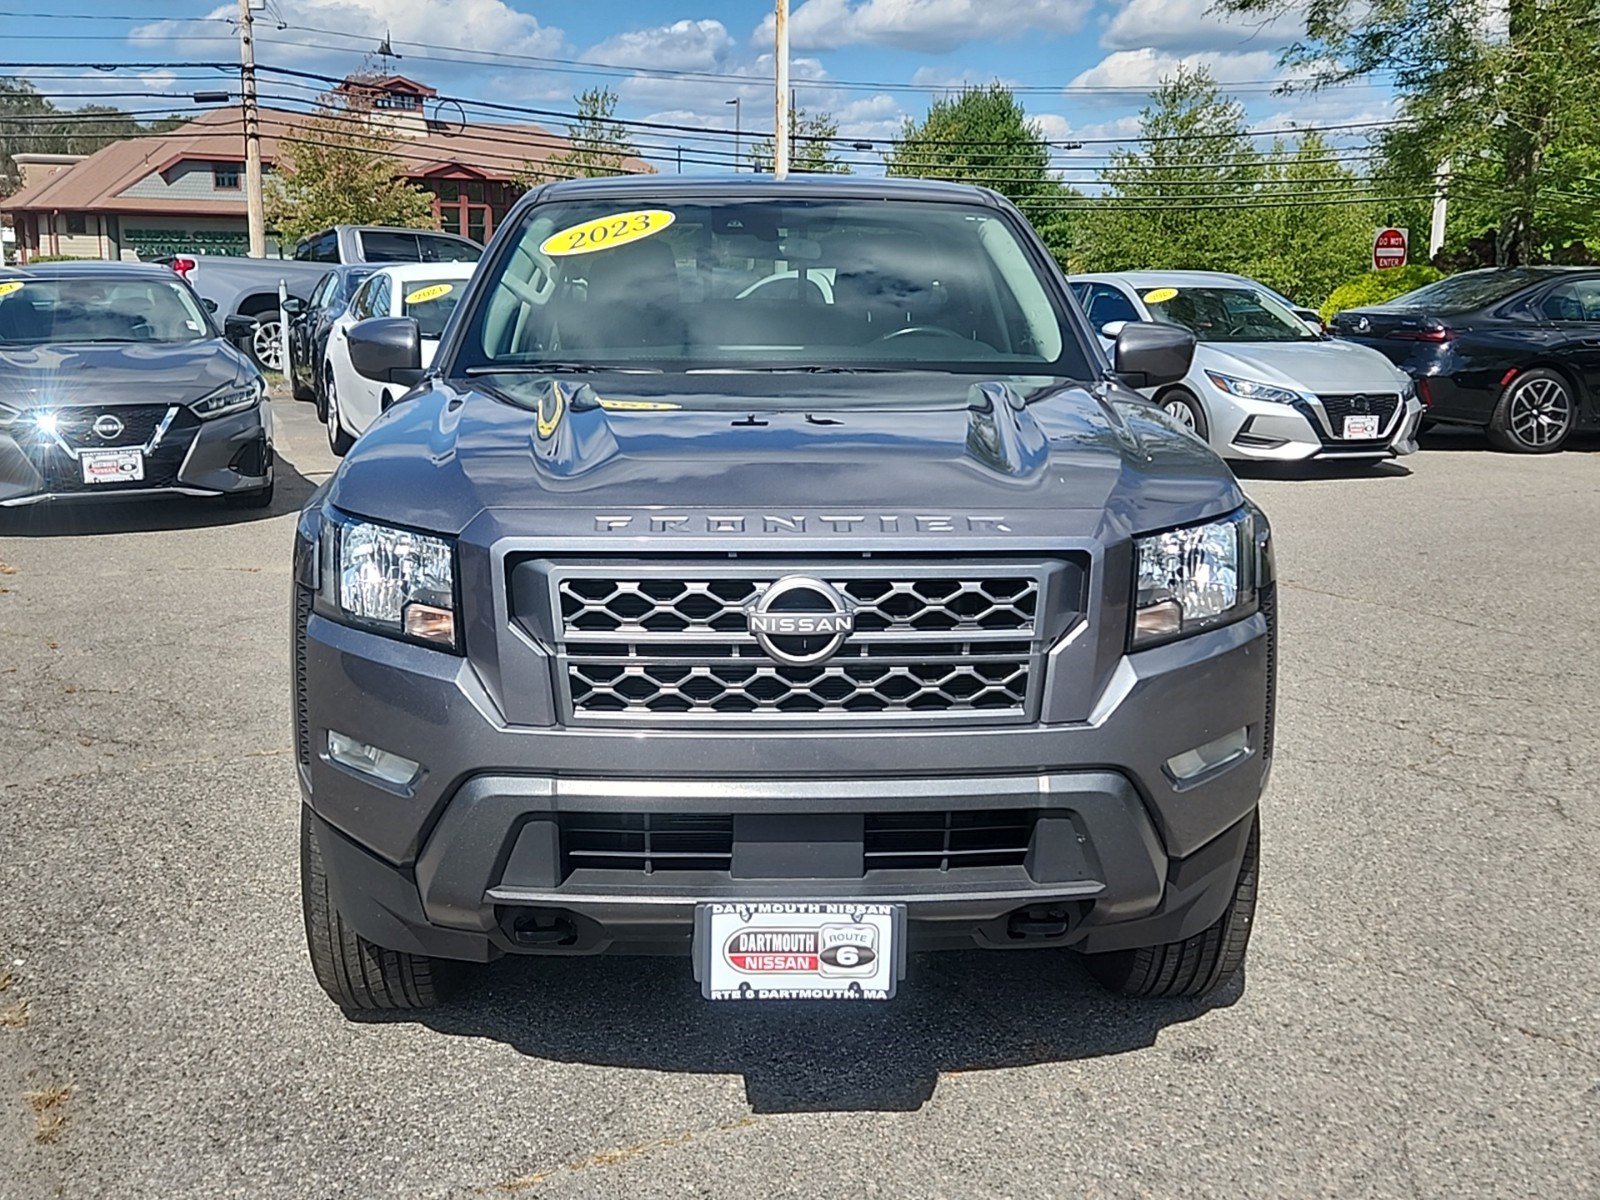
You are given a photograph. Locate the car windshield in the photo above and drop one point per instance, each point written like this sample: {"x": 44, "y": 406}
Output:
{"x": 35, "y": 312}
{"x": 430, "y": 302}
{"x": 1226, "y": 314}
{"x": 1465, "y": 293}
{"x": 769, "y": 285}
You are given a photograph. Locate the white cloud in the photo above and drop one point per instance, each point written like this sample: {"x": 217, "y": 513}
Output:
{"x": 1193, "y": 25}
{"x": 681, "y": 46}
{"x": 928, "y": 26}
{"x": 1147, "y": 67}
{"x": 941, "y": 77}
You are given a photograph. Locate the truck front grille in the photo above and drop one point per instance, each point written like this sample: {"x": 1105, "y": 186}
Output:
{"x": 955, "y": 640}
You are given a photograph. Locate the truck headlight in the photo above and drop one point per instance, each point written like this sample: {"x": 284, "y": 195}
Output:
{"x": 393, "y": 581}
{"x": 235, "y": 397}
{"x": 1194, "y": 578}
{"x": 1249, "y": 389}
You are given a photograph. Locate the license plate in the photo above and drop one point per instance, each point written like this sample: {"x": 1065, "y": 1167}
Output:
{"x": 112, "y": 466}
{"x": 1365, "y": 426}
{"x": 800, "y": 951}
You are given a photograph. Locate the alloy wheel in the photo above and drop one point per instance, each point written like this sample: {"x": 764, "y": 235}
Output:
{"x": 1539, "y": 413}
{"x": 266, "y": 346}
{"x": 333, "y": 414}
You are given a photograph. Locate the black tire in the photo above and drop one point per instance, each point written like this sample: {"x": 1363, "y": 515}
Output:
{"x": 1535, "y": 414}
{"x": 302, "y": 391}
{"x": 357, "y": 975}
{"x": 1197, "y": 965}
{"x": 1197, "y": 414}
{"x": 339, "y": 439}
{"x": 260, "y": 498}
{"x": 320, "y": 394}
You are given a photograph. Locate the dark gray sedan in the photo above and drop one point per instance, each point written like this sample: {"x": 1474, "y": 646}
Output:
{"x": 115, "y": 382}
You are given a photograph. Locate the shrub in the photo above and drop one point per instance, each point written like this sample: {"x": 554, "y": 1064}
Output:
{"x": 1377, "y": 286}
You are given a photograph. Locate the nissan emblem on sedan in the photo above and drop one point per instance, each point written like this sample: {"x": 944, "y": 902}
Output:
{"x": 800, "y": 621}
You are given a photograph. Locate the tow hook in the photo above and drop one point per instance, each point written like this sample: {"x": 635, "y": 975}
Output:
{"x": 1038, "y": 923}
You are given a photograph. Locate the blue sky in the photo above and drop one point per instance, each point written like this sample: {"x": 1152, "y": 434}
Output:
{"x": 1083, "y": 65}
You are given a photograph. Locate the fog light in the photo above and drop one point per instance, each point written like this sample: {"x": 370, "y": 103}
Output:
{"x": 369, "y": 760}
{"x": 1201, "y": 759}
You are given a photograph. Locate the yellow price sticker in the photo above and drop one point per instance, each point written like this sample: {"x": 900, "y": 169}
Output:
{"x": 639, "y": 406}
{"x": 13, "y": 285}
{"x": 1160, "y": 295}
{"x": 604, "y": 233}
{"x": 431, "y": 292}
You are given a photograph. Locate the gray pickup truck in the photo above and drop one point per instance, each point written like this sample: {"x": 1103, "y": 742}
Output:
{"x": 778, "y": 572}
{"x": 248, "y": 287}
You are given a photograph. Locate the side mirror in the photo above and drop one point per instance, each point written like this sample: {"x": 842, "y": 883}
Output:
{"x": 240, "y": 330}
{"x": 1312, "y": 318}
{"x": 208, "y": 304}
{"x": 1148, "y": 354}
{"x": 293, "y": 305}
{"x": 1112, "y": 328}
{"x": 388, "y": 349}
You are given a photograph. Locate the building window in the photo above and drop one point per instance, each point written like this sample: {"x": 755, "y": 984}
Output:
{"x": 77, "y": 223}
{"x": 225, "y": 176}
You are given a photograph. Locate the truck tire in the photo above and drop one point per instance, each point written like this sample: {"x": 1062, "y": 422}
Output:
{"x": 1197, "y": 965}
{"x": 357, "y": 975}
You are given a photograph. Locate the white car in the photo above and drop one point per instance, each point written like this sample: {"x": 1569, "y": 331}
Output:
{"x": 425, "y": 292}
{"x": 1264, "y": 384}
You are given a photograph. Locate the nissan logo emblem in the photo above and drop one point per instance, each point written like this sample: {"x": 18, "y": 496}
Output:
{"x": 107, "y": 426}
{"x": 800, "y": 621}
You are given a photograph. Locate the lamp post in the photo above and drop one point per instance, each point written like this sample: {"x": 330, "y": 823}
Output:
{"x": 738, "y": 132}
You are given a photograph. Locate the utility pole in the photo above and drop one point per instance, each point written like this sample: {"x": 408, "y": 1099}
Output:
{"x": 780, "y": 131}
{"x": 1436, "y": 230}
{"x": 738, "y": 133}
{"x": 256, "y": 213}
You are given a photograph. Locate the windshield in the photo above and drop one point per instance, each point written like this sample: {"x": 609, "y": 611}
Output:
{"x": 430, "y": 302}
{"x": 38, "y": 311}
{"x": 1465, "y": 293}
{"x": 1226, "y": 314}
{"x": 769, "y": 285}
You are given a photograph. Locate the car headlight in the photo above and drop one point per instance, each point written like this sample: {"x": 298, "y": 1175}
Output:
{"x": 1249, "y": 389}
{"x": 1194, "y": 578}
{"x": 390, "y": 580}
{"x": 235, "y": 397}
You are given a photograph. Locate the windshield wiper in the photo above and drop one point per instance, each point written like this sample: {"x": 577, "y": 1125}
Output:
{"x": 798, "y": 369}
{"x": 558, "y": 368}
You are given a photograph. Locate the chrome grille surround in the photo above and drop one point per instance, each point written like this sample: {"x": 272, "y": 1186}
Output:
{"x": 642, "y": 643}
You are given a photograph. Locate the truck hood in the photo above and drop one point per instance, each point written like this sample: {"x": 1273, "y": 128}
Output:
{"x": 65, "y": 375}
{"x": 884, "y": 454}
{"x": 1323, "y": 366}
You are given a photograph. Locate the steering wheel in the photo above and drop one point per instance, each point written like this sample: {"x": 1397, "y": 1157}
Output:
{"x": 916, "y": 330}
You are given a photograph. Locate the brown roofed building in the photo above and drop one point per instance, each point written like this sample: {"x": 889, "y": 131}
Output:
{"x": 183, "y": 190}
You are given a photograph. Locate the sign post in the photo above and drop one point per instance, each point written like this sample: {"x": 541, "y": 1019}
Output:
{"x": 1389, "y": 248}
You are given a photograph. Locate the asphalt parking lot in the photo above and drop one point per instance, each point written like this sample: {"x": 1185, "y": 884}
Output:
{"x": 1420, "y": 1017}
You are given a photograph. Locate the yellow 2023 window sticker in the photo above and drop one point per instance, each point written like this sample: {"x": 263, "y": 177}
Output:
{"x": 605, "y": 233}
{"x": 1160, "y": 295}
{"x": 11, "y": 285}
{"x": 434, "y": 291}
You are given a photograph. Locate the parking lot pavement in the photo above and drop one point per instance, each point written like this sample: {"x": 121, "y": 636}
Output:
{"x": 1420, "y": 1015}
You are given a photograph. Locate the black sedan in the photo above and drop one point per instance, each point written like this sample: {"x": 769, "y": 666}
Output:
{"x": 114, "y": 382}
{"x": 1515, "y": 351}
{"x": 309, "y": 323}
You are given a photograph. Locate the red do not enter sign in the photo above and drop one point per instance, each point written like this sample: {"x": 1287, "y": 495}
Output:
{"x": 1389, "y": 248}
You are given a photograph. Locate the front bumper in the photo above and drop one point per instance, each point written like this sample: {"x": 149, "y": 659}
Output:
{"x": 468, "y": 858}
{"x": 181, "y": 456}
{"x": 1264, "y": 431}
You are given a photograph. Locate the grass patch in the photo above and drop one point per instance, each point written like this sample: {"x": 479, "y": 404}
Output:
{"x": 49, "y": 1108}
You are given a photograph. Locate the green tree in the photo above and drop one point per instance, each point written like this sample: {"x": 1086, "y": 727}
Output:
{"x": 342, "y": 169}
{"x": 600, "y": 145}
{"x": 983, "y": 136}
{"x": 1501, "y": 88}
{"x": 30, "y": 123}
{"x": 811, "y": 146}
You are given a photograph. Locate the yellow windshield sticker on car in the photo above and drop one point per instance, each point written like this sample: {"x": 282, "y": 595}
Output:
{"x": 1160, "y": 295}
{"x": 14, "y": 285}
{"x": 605, "y": 233}
{"x": 432, "y": 292}
{"x": 638, "y": 406}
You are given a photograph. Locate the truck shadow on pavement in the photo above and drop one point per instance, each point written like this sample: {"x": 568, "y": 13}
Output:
{"x": 87, "y": 518}
{"x": 956, "y": 1012}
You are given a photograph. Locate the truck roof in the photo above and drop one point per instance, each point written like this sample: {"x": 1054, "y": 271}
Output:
{"x": 765, "y": 187}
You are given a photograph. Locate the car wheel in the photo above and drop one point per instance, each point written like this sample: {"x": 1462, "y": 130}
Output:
{"x": 339, "y": 441}
{"x": 356, "y": 974}
{"x": 1535, "y": 414}
{"x": 302, "y": 391}
{"x": 323, "y": 380}
{"x": 1197, "y": 965}
{"x": 1186, "y": 410}
{"x": 266, "y": 346}
{"x": 260, "y": 498}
